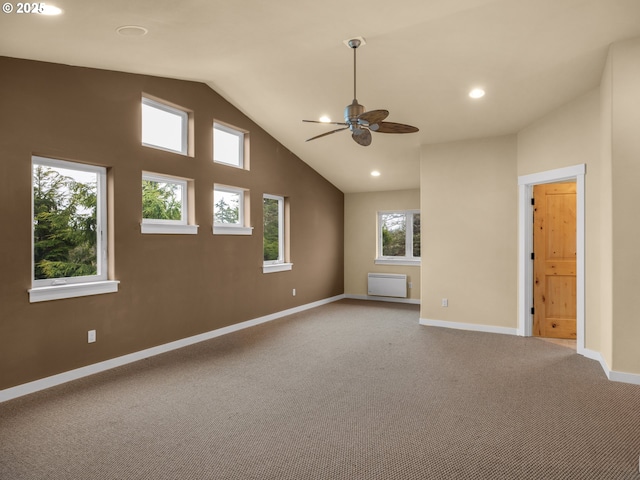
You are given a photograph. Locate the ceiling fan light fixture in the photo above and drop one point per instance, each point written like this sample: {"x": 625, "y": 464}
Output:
{"x": 324, "y": 119}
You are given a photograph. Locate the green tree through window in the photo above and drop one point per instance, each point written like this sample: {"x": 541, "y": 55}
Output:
{"x": 399, "y": 235}
{"x": 271, "y": 211}
{"x": 394, "y": 234}
{"x": 161, "y": 200}
{"x": 64, "y": 223}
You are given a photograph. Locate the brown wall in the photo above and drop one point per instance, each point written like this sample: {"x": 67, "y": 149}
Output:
{"x": 171, "y": 286}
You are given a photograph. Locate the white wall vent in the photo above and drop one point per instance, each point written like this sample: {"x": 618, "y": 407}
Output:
{"x": 387, "y": 285}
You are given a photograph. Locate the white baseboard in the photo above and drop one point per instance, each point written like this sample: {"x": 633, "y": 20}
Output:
{"x": 469, "y": 326}
{"x": 622, "y": 377}
{"x": 612, "y": 375}
{"x": 414, "y": 301}
{"x": 44, "y": 383}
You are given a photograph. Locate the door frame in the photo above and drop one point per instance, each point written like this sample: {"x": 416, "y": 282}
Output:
{"x": 525, "y": 246}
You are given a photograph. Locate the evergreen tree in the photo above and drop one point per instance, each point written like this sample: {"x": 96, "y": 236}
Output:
{"x": 64, "y": 225}
{"x": 271, "y": 230}
{"x": 225, "y": 213}
{"x": 161, "y": 201}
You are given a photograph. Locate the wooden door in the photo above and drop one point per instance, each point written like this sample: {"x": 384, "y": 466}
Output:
{"x": 554, "y": 260}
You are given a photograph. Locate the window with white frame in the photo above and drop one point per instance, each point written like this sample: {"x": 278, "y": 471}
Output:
{"x": 399, "y": 237}
{"x": 228, "y": 145}
{"x": 164, "y": 127}
{"x": 230, "y": 211}
{"x": 69, "y": 230}
{"x": 274, "y": 234}
{"x": 165, "y": 204}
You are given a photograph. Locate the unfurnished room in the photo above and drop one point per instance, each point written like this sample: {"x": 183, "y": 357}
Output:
{"x": 320, "y": 240}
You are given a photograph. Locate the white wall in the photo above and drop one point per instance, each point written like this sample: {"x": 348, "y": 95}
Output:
{"x": 469, "y": 243}
{"x": 360, "y": 231}
{"x": 625, "y": 172}
{"x": 570, "y": 136}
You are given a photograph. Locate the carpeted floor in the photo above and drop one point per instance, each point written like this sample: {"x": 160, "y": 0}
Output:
{"x": 350, "y": 390}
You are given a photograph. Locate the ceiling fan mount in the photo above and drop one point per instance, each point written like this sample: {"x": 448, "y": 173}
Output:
{"x": 359, "y": 121}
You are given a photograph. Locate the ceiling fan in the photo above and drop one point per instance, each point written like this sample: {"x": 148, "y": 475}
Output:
{"x": 360, "y": 122}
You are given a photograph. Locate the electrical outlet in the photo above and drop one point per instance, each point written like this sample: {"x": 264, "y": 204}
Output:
{"x": 294, "y": 292}
{"x": 91, "y": 336}
{"x": 445, "y": 302}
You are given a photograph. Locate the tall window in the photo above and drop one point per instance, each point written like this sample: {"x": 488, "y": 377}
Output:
{"x": 274, "y": 234}
{"x": 165, "y": 204}
{"x": 229, "y": 211}
{"x": 228, "y": 145}
{"x": 164, "y": 127}
{"x": 69, "y": 227}
{"x": 399, "y": 237}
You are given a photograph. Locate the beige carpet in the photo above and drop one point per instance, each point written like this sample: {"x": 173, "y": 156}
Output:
{"x": 350, "y": 390}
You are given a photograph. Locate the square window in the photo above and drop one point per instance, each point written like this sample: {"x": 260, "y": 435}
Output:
{"x": 229, "y": 211}
{"x": 228, "y": 145}
{"x": 69, "y": 230}
{"x": 164, "y": 127}
{"x": 399, "y": 237}
{"x": 227, "y": 207}
{"x": 165, "y": 204}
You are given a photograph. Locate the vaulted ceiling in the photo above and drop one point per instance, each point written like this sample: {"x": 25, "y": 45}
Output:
{"x": 283, "y": 61}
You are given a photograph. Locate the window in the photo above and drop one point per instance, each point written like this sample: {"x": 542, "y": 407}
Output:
{"x": 228, "y": 145}
{"x": 69, "y": 230}
{"x": 274, "y": 235}
{"x": 229, "y": 211}
{"x": 164, "y": 127}
{"x": 399, "y": 237}
{"x": 165, "y": 205}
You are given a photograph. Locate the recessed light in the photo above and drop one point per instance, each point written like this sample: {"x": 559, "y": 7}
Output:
{"x": 132, "y": 31}
{"x": 375, "y": 173}
{"x": 50, "y": 10}
{"x": 325, "y": 119}
{"x": 476, "y": 93}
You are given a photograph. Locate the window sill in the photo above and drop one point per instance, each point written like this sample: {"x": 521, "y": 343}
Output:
{"x": 184, "y": 153}
{"x": 398, "y": 261}
{"x": 163, "y": 228}
{"x": 231, "y": 230}
{"x": 276, "y": 267}
{"x": 57, "y": 292}
{"x": 228, "y": 164}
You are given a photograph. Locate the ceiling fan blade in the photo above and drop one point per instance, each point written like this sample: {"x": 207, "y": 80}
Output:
{"x": 391, "y": 127}
{"x": 363, "y": 137}
{"x": 327, "y": 133}
{"x": 326, "y": 123}
{"x": 373, "y": 117}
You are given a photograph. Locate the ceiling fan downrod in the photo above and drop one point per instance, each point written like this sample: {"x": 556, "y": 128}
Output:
{"x": 352, "y": 111}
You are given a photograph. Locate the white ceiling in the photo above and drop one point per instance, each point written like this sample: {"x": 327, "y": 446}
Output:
{"x": 282, "y": 61}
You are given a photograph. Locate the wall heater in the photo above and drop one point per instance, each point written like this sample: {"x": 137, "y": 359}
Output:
{"x": 387, "y": 285}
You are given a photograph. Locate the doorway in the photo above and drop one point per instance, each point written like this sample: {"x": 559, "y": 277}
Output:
{"x": 526, "y": 184}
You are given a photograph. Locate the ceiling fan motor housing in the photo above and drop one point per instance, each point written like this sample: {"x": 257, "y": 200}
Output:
{"x": 351, "y": 112}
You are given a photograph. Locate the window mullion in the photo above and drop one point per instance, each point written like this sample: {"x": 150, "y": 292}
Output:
{"x": 409, "y": 235}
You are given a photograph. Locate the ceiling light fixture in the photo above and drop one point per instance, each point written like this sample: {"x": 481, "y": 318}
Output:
{"x": 50, "y": 10}
{"x": 325, "y": 119}
{"x": 132, "y": 31}
{"x": 375, "y": 173}
{"x": 476, "y": 93}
